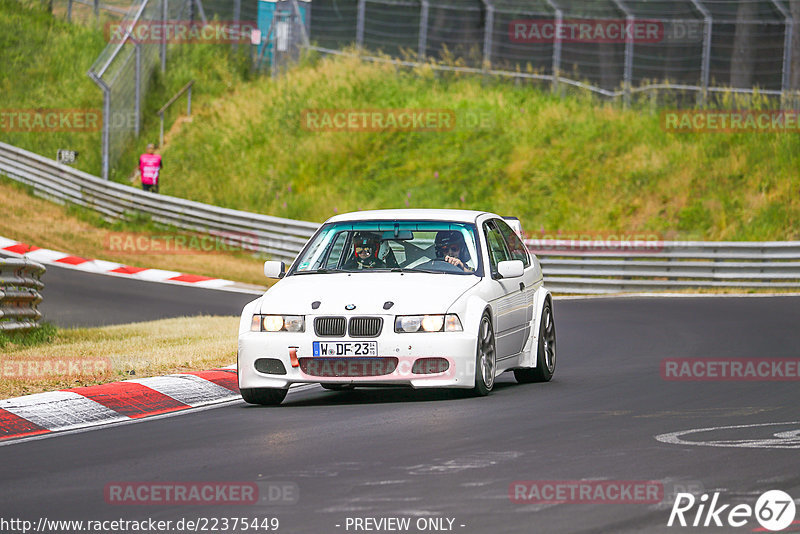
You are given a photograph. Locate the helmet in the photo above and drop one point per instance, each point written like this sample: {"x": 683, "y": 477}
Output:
{"x": 366, "y": 239}
{"x": 451, "y": 238}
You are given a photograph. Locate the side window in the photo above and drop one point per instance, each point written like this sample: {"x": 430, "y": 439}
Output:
{"x": 515, "y": 245}
{"x": 496, "y": 246}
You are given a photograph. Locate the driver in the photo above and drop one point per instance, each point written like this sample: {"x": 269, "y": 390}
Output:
{"x": 365, "y": 252}
{"x": 450, "y": 247}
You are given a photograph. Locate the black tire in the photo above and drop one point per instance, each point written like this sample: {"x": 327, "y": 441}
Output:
{"x": 545, "y": 351}
{"x": 264, "y": 396}
{"x": 338, "y": 387}
{"x": 485, "y": 358}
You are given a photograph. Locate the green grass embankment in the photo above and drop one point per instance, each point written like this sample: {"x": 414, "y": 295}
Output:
{"x": 44, "y": 63}
{"x": 571, "y": 164}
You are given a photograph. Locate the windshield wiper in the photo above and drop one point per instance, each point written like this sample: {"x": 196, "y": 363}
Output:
{"x": 320, "y": 271}
{"x": 408, "y": 270}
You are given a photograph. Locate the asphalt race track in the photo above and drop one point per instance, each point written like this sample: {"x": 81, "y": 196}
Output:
{"x": 378, "y": 453}
{"x": 75, "y": 298}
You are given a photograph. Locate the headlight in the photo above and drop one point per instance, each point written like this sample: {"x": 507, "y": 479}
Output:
{"x": 427, "y": 323}
{"x": 278, "y": 323}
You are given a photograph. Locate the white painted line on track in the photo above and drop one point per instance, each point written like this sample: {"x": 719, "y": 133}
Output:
{"x": 780, "y": 440}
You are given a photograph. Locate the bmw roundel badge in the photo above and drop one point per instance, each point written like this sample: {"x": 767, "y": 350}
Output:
{"x": 350, "y": 307}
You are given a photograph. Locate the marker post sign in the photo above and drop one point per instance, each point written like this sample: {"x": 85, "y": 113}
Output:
{"x": 66, "y": 157}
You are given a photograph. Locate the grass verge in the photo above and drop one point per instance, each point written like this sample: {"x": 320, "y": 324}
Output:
{"x": 29, "y": 338}
{"x": 114, "y": 353}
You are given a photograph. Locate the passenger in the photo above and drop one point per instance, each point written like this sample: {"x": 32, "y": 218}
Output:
{"x": 451, "y": 247}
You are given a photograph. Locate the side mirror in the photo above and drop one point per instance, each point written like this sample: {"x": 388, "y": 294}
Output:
{"x": 276, "y": 269}
{"x": 510, "y": 269}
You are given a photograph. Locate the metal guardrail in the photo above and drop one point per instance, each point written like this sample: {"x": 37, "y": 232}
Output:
{"x": 280, "y": 238}
{"x": 20, "y": 282}
{"x": 569, "y": 266}
{"x": 615, "y": 266}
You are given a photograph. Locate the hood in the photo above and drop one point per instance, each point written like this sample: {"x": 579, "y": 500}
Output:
{"x": 412, "y": 293}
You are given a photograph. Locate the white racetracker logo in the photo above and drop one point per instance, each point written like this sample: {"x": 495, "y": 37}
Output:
{"x": 774, "y": 510}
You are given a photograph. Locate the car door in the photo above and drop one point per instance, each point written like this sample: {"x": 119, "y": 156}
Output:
{"x": 508, "y": 301}
{"x": 531, "y": 278}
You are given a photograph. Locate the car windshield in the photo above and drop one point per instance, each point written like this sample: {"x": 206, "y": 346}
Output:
{"x": 392, "y": 246}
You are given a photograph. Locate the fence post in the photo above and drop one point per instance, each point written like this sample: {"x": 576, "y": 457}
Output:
{"x": 301, "y": 23}
{"x": 163, "y": 48}
{"x": 273, "y": 60}
{"x": 201, "y": 11}
{"x": 630, "y": 20}
{"x": 423, "y": 30}
{"x": 706, "y": 66}
{"x": 138, "y": 87}
{"x": 69, "y": 11}
{"x": 360, "y": 23}
{"x": 96, "y": 8}
{"x": 106, "y": 131}
{"x": 237, "y": 14}
{"x": 488, "y": 34}
{"x": 787, "y": 49}
{"x": 161, "y": 132}
{"x": 556, "y": 44}
{"x": 106, "y": 120}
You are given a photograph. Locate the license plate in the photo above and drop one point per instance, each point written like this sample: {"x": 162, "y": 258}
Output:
{"x": 345, "y": 348}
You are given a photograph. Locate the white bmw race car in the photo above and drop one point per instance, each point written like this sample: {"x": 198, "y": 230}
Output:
{"x": 419, "y": 298}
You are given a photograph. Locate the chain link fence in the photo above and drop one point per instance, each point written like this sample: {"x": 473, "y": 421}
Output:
{"x": 140, "y": 34}
{"x": 695, "y": 50}
{"x": 611, "y": 47}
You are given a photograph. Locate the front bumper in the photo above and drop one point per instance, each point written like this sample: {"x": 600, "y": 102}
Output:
{"x": 458, "y": 348}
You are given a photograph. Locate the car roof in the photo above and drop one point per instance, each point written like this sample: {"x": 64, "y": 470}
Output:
{"x": 467, "y": 216}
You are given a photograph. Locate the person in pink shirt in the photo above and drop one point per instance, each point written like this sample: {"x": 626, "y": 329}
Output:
{"x": 149, "y": 168}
